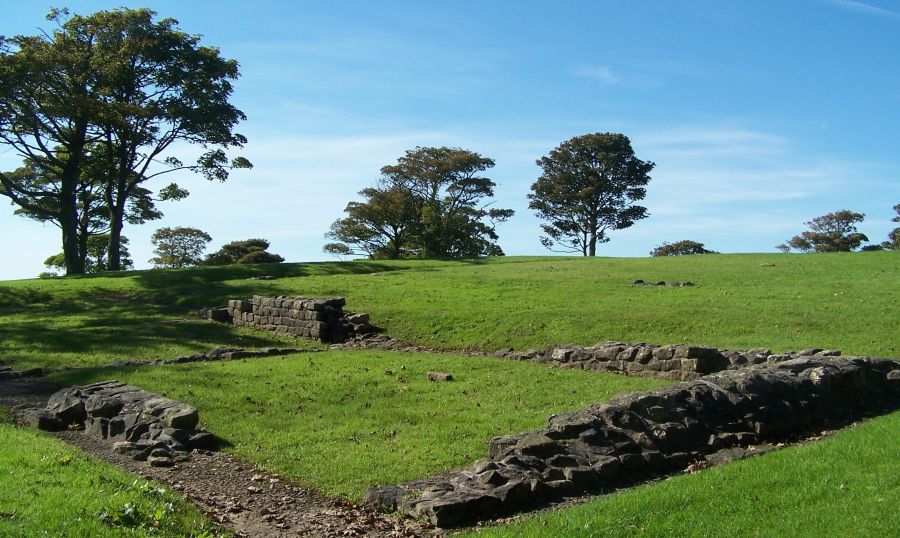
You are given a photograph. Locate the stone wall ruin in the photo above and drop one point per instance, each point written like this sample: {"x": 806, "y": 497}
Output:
{"x": 637, "y": 436}
{"x": 319, "y": 319}
{"x": 675, "y": 362}
{"x": 144, "y": 425}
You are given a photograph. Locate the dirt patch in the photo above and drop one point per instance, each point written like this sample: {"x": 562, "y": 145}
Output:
{"x": 31, "y": 391}
{"x": 252, "y": 502}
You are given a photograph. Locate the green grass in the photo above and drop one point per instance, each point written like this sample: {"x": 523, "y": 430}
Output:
{"x": 340, "y": 422}
{"x": 51, "y": 489}
{"x": 487, "y": 304}
{"x": 344, "y": 421}
{"x": 845, "y": 485}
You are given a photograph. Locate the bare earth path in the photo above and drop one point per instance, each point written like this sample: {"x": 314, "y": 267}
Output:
{"x": 234, "y": 494}
{"x": 252, "y": 502}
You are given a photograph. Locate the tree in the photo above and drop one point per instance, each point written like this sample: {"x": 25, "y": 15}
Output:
{"x": 893, "y": 242}
{"x": 680, "y": 248}
{"x": 36, "y": 190}
{"x": 383, "y": 226}
{"x": 95, "y": 255}
{"x": 432, "y": 204}
{"x": 111, "y": 92}
{"x": 588, "y": 187}
{"x": 246, "y": 251}
{"x": 834, "y": 232}
{"x": 160, "y": 86}
{"x": 46, "y": 97}
{"x": 178, "y": 247}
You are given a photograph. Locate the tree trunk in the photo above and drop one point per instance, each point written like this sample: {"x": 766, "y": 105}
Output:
{"x": 68, "y": 217}
{"x": 116, "y": 198}
{"x": 592, "y": 244}
{"x": 114, "y": 251}
{"x": 68, "y": 221}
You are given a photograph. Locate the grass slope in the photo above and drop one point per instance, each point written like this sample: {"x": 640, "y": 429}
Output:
{"x": 845, "y": 485}
{"x": 344, "y": 421}
{"x": 843, "y": 301}
{"x": 52, "y": 489}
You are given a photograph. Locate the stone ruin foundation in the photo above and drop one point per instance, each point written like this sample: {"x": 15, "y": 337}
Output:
{"x": 320, "y": 319}
{"x": 641, "y": 435}
{"x": 675, "y": 362}
{"x": 144, "y": 425}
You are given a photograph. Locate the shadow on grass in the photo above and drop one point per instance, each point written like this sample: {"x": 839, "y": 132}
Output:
{"x": 203, "y": 286}
{"x": 114, "y": 330}
{"x": 16, "y": 299}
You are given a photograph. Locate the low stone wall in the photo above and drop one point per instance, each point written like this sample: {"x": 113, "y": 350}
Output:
{"x": 636, "y": 436}
{"x": 321, "y": 319}
{"x": 147, "y": 426}
{"x": 217, "y": 354}
{"x": 675, "y": 362}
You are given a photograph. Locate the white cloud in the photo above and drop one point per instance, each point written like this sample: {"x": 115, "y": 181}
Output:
{"x": 868, "y": 9}
{"x": 600, "y": 73}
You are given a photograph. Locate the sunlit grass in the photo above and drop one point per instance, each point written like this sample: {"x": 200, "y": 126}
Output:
{"x": 342, "y": 421}
{"x": 51, "y": 489}
{"x": 845, "y": 485}
{"x": 841, "y": 301}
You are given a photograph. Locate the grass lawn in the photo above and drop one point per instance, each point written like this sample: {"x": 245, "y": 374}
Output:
{"x": 844, "y": 301}
{"x": 51, "y": 489}
{"x": 343, "y": 421}
{"x": 845, "y": 485}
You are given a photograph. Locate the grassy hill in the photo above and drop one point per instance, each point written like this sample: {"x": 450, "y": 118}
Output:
{"x": 781, "y": 301}
{"x": 344, "y": 420}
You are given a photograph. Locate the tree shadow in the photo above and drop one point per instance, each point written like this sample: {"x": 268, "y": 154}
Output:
{"x": 206, "y": 286}
{"x": 16, "y": 299}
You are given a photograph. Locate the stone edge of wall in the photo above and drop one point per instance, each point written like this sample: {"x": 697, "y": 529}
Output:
{"x": 642, "y": 435}
{"x": 138, "y": 423}
{"x": 302, "y": 317}
{"x": 674, "y": 362}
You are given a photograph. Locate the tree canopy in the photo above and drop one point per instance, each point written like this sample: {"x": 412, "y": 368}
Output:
{"x": 178, "y": 247}
{"x": 96, "y": 259}
{"x": 246, "y": 251}
{"x": 834, "y": 232}
{"x": 589, "y": 186}
{"x": 685, "y": 247}
{"x": 433, "y": 203}
{"x": 893, "y": 240}
{"x": 94, "y": 106}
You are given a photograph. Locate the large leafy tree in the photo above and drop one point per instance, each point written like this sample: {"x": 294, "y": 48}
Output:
{"x": 589, "y": 186}
{"x": 246, "y": 251}
{"x": 684, "y": 247}
{"x": 47, "y": 105}
{"x": 178, "y": 247}
{"x": 95, "y": 259}
{"x": 110, "y": 93}
{"x": 834, "y": 232}
{"x": 37, "y": 189}
{"x": 159, "y": 86}
{"x": 434, "y": 203}
{"x": 383, "y": 226}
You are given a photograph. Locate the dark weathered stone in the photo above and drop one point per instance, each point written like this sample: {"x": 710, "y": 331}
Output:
{"x": 718, "y": 417}
{"x": 138, "y": 422}
{"x": 537, "y": 444}
{"x": 439, "y": 376}
{"x": 40, "y": 419}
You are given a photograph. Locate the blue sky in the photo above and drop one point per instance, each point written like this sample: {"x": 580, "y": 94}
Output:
{"x": 759, "y": 115}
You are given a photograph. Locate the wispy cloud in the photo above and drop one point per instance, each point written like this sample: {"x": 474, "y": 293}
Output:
{"x": 600, "y": 73}
{"x": 868, "y": 9}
